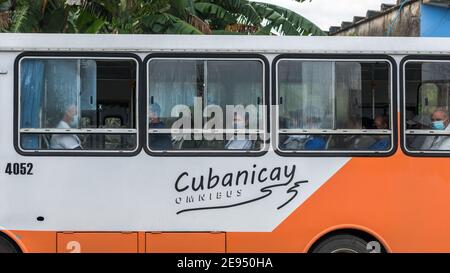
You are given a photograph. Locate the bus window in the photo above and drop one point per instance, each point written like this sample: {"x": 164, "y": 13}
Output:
{"x": 205, "y": 105}
{"x": 334, "y": 105}
{"x": 426, "y": 106}
{"x": 63, "y": 102}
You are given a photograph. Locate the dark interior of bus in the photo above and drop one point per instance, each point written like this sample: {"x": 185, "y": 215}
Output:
{"x": 115, "y": 96}
{"x": 374, "y": 93}
{"x": 113, "y": 104}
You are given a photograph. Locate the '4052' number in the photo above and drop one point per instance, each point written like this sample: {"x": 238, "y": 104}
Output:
{"x": 19, "y": 169}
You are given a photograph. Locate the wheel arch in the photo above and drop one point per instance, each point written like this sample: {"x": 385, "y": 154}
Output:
{"x": 359, "y": 231}
{"x": 13, "y": 239}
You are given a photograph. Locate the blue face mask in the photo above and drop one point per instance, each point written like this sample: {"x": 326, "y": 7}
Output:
{"x": 438, "y": 125}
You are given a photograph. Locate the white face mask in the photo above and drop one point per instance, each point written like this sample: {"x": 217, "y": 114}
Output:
{"x": 239, "y": 124}
{"x": 74, "y": 123}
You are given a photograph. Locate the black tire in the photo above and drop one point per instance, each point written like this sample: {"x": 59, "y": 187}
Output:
{"x": 6, "y": 246}
{"x": 342, "y": 243}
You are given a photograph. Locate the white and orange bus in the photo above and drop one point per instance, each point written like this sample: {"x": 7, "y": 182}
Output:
{"x": 225, "y": 144}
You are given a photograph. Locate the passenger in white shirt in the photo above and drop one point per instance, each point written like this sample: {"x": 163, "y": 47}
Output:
{"x": 241, "y": 142}
{"x": 67, "y": 141}
{"x": 439, "y": 121}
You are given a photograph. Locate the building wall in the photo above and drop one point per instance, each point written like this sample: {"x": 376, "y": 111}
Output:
{"x": 407, "y": 23}
{"x": 435, "y": 21}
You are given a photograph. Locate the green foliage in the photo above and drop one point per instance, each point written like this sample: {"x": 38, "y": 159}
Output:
{"x": 287, "y": 22}
{"x": 153, "y": 16}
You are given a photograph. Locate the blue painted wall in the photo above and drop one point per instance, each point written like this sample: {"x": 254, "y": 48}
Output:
{"x": 434, "y": 21}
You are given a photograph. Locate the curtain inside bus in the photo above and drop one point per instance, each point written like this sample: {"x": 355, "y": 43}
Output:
{"x": 307, "y": 92}
{"x": 63, "y": 85}
{"x": 32, "y": 89}
{"x": 231, "y": 83}
{"x": 320, "y": 95}
{"x": 348, "y": 82}
{"x": 174, "y": 82}
{"x": 48, "y": 88}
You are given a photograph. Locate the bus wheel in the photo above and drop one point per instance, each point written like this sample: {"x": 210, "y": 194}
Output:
{"x": 6, "y": 246}
{"x": 342, "y": 243}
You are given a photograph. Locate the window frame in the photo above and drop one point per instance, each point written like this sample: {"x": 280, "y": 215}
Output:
{"x": 337, "y": 153}
{"x": 87, "y": 131}
{"x": 403, "y": 130}
{"x": 205, "y": 57}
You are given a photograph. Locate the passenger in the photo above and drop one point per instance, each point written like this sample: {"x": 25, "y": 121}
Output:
{"x": 241, "y": 143}
{"x": 382, "y": 142}
{"x": 294, "y": 142}
{"x": 346, "y": 142}
{"x": 420, "y": 122}
{"x": 315, "y": 142}
{"x": 440, "y": 122}
{"x": 360, "y": 142}
{"x": 381, "y": 122}
{"x": 158, "y": 141}
{"x": 306, "y": 142}
{"x": 67, "y": 141}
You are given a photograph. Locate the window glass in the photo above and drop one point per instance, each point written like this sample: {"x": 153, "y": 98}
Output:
{"x": 427, "y": 88}
{"x": 234, "y": 83}
{"x": 174, "y": 83}
{"x": 70, "y": 97}
{"x": 334, "y": 105}
{"x": 205, "y": 95}
{"x": 306, "y": 95}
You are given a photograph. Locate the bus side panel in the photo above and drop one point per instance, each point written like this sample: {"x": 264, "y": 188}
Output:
{"x": 35, "y": 241}
{"x": 185, "y": 242}
{"x": 402, "y": 201}
{"x": 91, "y": 242}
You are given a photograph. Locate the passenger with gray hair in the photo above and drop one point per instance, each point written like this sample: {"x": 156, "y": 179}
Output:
{"x": 69, "y": 120}
{"x": 158, "y": 141}
{"x": 439, "y": 122}
{"x": 240, "y": 143}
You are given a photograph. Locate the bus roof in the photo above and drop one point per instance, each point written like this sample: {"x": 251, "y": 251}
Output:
{"x": 223, "y": 43}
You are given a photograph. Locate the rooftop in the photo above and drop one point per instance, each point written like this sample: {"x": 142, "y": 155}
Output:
{"x": 384, "y": 9}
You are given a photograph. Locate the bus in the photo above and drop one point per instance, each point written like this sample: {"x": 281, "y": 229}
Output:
{"x": 224, "y": 144}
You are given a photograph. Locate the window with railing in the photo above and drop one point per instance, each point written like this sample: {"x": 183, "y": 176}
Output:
{"x": 334, "y": 106}
{"x": 62, "y": 102}
{"x": 206, "y": 105}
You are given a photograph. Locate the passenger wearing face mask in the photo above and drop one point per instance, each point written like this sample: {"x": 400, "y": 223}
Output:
{"x": 67, "y": 141}
{"x": 239, "y": 143}
{"x": 439, "y": 121}
{"x": 158, "y": 141}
